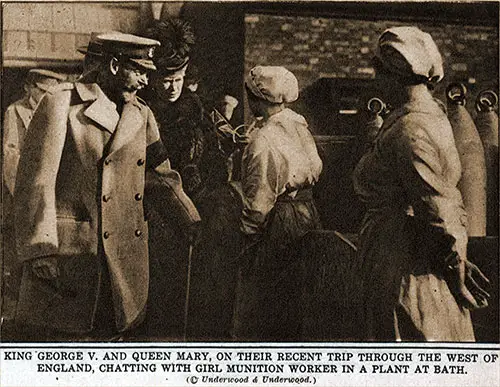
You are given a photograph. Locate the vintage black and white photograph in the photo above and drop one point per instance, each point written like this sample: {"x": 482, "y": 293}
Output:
{"x": 250, "y": 172}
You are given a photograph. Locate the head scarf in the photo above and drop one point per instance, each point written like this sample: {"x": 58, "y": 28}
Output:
{"x": 408, "y": 51}
{"x": 273, "y": 83}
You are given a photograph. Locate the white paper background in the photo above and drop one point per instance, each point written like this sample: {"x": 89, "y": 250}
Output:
{"x": 484, "y": 372}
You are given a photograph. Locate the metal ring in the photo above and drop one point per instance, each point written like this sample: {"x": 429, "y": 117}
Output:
{"x": 372, "y": 105}
{"x": 456, "y": 92}
{"x": 486, "y": 100}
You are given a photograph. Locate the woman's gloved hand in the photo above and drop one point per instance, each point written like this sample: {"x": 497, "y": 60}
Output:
{"x": 465, "y": 281}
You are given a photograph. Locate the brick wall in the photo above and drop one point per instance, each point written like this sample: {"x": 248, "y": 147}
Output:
{"x": 52, "y": 31}
{"x": 314, "y": 47}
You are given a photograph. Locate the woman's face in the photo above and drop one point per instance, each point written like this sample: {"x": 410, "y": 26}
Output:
{"x": 392, "y": 88}
{"x": 254, "y": 103}
{"x": 169, "y": 87}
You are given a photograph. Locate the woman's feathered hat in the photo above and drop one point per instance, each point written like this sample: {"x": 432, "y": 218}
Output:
{"x": 177, "y": 38}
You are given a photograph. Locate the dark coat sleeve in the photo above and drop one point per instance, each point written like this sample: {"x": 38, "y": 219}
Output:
{"x": 163, "y": 189}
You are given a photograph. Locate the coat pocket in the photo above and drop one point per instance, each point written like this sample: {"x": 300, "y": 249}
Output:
{"x": 76, "y": 237}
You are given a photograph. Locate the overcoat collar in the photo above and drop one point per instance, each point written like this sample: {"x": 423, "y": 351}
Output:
{"x": 102, "y": 110}
{"x": 131, "y": 121}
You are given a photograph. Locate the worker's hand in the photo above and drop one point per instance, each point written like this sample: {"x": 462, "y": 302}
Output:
{"x": 45, "y": 267}
{"x": 477, "y": 283}
{"x": 461, "y": 278}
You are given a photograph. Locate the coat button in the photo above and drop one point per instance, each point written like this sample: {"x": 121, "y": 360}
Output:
{"x": 106, "y": 198}
{"x": 107, "y": 161}
{"x": 138, "y": 196}
{"x": 105, "y": 235}
{"x": 140, "y": 162}
{"x": 138, "y": 233}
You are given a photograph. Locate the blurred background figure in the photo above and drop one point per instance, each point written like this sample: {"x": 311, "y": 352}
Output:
{"x": 15, "y": 125}
{"x": 192, "y": 78}
{"x": 227, "y": 106}
{"x": 18, "y": 116}
{"x": 418, "y": 283}
{"x": 93, "y": 56}
{"x": 215, "y": 263}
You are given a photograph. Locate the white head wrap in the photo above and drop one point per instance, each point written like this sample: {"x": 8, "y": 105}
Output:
{"x": 410, "y": 51}
{"x": 273, "y": 83}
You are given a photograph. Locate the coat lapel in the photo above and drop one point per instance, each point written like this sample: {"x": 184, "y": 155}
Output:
{"x": 92, "y": 126}
{"x": 89, "y": 139}
{"x": 130, "y": 123}
{"x": 102, "y": 110}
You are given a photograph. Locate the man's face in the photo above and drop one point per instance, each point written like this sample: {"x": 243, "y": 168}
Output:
{"x": 129, "y": 79}
{"x": 169, "y": 87}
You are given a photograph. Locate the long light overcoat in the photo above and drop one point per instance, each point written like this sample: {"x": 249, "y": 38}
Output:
{"x": 415, "y": 218}
{"x": 79, "y": 196}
